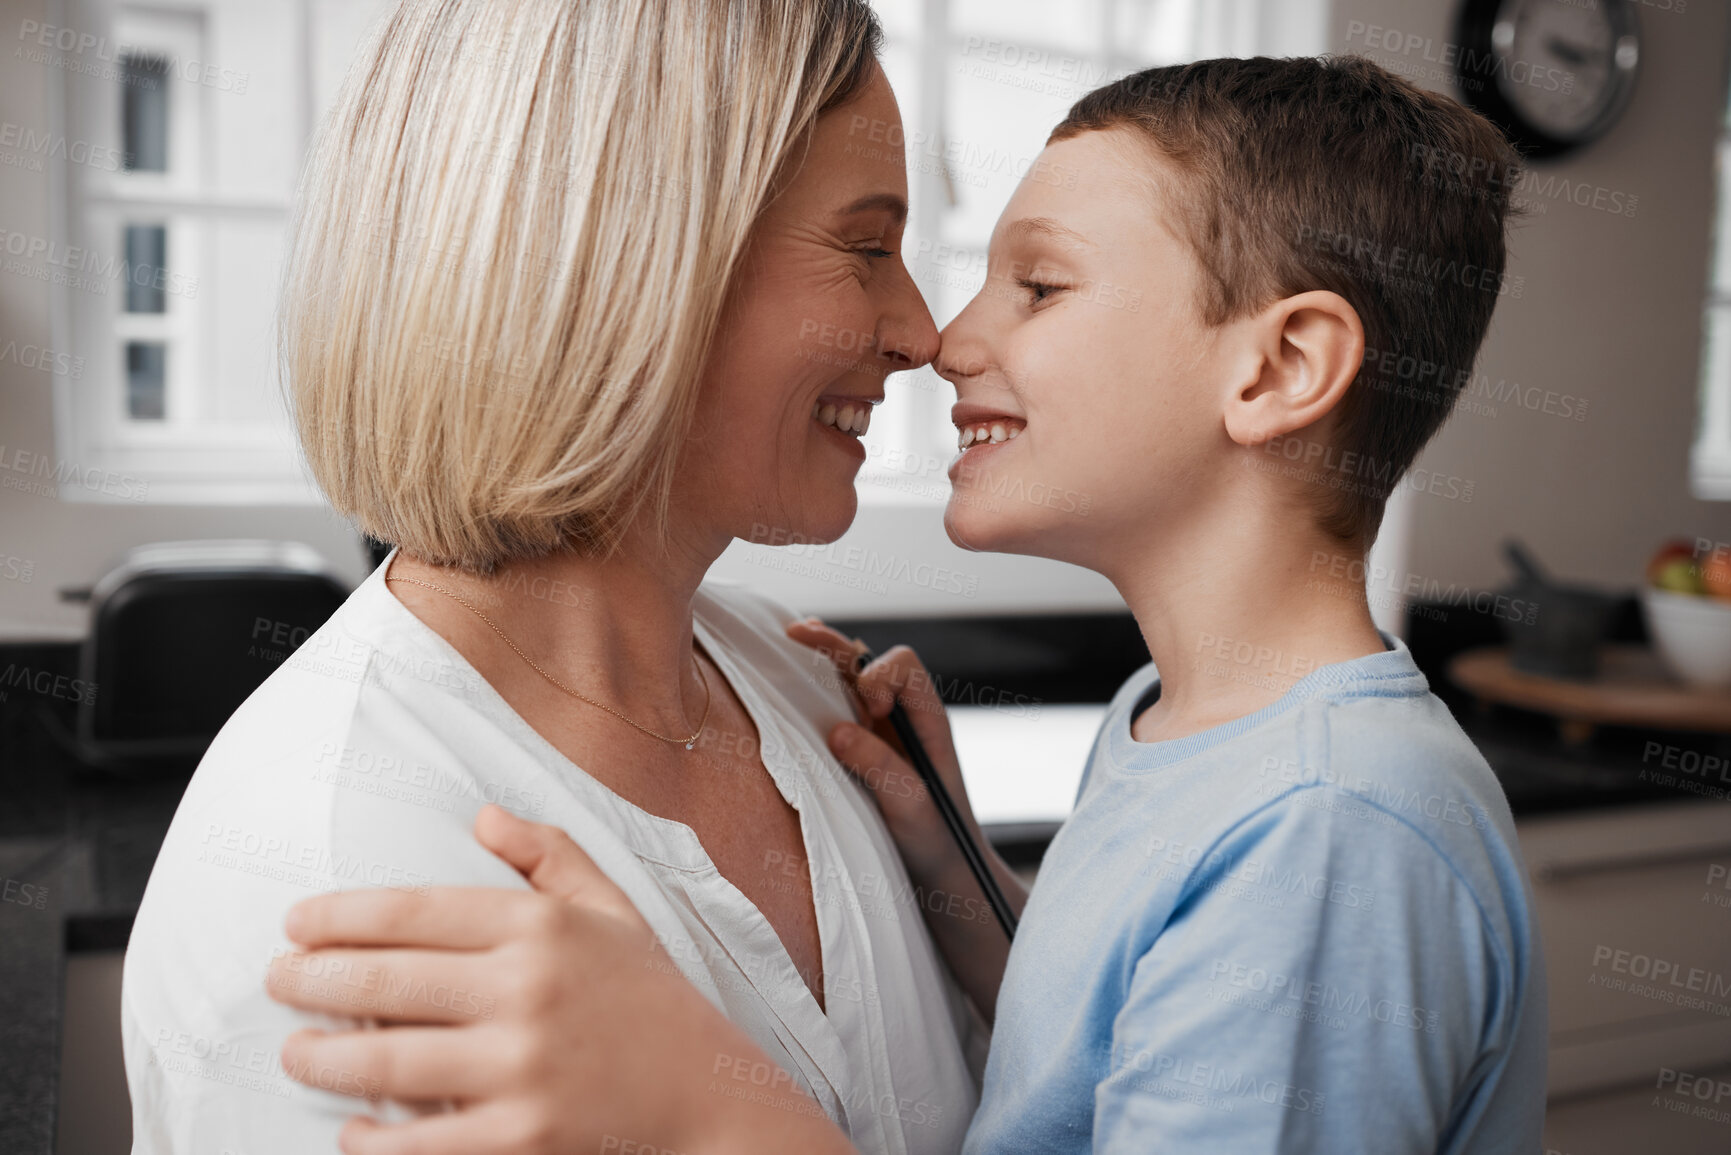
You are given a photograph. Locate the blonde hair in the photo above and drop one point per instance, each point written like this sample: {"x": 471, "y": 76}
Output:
{"x": 514, "y": 235}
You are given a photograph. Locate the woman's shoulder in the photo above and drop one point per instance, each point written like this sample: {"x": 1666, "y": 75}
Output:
{"x": 339, "y": 772}
{"x": 329, "y": 777}
{"x": 353, "y": 764}
{"x": 723, "y": 602}
{"x": 373, "y": 640}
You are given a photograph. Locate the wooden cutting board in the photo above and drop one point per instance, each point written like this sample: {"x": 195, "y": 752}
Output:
{"x": 1633, "y": 688}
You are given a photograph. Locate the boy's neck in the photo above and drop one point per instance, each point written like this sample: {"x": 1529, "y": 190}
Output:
{"x": 1238, "y": 615}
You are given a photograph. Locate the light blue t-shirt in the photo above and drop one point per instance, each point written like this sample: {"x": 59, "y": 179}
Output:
{"x": 1307, "y": 930}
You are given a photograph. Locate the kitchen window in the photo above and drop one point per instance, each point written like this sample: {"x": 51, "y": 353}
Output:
{"x": 1710, "y": 463}
{"x": 186, "y": 125}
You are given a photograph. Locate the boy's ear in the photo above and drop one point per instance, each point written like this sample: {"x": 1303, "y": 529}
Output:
{"x": 1304, "y": 353}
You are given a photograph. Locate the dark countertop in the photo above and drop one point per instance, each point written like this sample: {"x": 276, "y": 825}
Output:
{"x": 77, "y": 845}
{"x": 76, "y": 849}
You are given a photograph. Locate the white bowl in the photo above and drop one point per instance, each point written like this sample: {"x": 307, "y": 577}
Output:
{"x": 1692, "y": 634}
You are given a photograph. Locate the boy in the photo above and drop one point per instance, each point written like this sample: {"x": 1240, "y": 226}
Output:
{"x": 1288, "y": 912}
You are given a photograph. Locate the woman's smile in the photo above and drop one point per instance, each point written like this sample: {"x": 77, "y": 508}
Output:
{"x": 844, "y": 420}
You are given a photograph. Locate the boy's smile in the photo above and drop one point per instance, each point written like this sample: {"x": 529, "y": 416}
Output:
{"x": 979, "y": 426}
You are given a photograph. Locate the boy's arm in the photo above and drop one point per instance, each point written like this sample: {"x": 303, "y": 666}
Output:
{"x": 1328, "y": 984}
{"x": 955, "y": 907}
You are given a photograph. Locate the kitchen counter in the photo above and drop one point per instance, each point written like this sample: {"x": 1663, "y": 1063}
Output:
{"x": 75, "y": 852}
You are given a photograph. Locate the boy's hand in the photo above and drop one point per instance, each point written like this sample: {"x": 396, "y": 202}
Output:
{"x": 874, "y": 754}
{"x": 956, "y": 910}
{"x": 553, "y": 1018}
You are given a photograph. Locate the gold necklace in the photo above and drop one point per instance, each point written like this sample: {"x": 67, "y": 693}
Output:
{"x": 687, "y": 742}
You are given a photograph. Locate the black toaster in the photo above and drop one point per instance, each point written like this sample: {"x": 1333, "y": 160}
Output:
{"x": 181, "y": 632}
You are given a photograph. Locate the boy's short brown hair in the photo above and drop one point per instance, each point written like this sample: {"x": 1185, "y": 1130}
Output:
{"x": 1333, "y": 173}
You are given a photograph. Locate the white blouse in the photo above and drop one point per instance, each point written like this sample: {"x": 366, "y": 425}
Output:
{"x": 363, "y": 760}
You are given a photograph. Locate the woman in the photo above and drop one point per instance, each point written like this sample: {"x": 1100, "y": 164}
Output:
{"x": 542, "y": 327}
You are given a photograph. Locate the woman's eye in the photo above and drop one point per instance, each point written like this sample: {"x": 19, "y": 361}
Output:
{"x": 871, "y": 251}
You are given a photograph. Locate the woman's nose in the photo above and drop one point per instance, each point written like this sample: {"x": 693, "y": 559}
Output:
{"x": 908, "y": 333}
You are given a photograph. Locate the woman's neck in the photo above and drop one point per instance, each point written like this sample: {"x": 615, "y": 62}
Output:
{"x": 617, "y": 628}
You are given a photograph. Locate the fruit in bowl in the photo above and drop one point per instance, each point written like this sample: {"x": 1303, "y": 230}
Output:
{"x": 1673, "y": 568}
{"x": 1716, "y": 572}
{"x": 1687, "y": 604}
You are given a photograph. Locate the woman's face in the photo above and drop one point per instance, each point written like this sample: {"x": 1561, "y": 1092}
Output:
{"x": 822, "y": 309}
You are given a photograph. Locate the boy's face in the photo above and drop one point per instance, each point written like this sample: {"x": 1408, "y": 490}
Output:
{"x": 1087, "y": 343}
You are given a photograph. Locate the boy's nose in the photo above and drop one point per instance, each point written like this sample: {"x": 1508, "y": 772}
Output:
{"x": 960, "y": 354}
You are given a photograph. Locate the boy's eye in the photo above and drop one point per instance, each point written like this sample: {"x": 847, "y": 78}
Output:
{"x": 1038, "y": 290}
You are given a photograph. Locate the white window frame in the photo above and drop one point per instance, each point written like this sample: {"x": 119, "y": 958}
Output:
{"x": 149, "y": 198}
{"x": 1710, "y": 458}
{"x": 187, "y": 457}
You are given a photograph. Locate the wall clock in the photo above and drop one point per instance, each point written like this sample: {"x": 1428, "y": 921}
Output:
{"x": 1552, "y": 74}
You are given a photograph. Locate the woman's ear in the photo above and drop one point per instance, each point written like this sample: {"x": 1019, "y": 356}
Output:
{"x": 1304, "y": 352}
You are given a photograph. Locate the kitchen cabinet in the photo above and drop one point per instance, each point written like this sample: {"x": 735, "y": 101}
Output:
{"x": 1634, "y": 906}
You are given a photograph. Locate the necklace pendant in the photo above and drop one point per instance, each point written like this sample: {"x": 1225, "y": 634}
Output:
{"x": 691, "y": 743}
